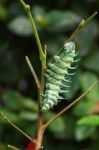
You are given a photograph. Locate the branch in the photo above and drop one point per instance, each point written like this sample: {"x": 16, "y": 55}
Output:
{"x": 17, "y": 128}
{"x": 33, "y": 72}
{"x": 27, "y": 9}
{"x": 69, "y": 106}
{"x": 13, "y": 147}
{"x": 81, "y": 25}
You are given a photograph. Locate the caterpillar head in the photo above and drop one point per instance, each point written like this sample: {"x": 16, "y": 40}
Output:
{"x": 69, "y": 47}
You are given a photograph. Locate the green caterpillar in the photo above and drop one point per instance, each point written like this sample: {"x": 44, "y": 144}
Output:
{"x": 57, "y": 75}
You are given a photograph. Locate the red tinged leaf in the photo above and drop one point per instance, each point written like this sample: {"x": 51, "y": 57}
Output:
{"x": 31, "y": 146}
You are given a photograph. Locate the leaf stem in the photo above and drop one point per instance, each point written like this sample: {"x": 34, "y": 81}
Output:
{"x": 81, "y": 25}
{"x": 69, "y": 106}
{"x": 17, "y": 128}
{"x": 33, "y": 72}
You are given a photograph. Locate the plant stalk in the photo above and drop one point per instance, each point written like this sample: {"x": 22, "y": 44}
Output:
{"x": 43, "y": 64}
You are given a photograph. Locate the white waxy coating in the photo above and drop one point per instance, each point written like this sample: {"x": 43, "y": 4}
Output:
{"x": 69, "y": 46}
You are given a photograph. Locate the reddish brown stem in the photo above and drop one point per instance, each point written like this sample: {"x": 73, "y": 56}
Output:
{"x": 40, "y": 131}
{"x": 40, "y": 118}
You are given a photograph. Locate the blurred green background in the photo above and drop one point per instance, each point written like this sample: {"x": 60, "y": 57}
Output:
{"x": 56, "y": 20}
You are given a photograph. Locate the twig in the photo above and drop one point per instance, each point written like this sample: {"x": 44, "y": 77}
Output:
{"x": 81, "y": 25}
{"x": 13, "y": 147}
{"x": 33, "y": 72}
{"x": 27, "y": 9}
{"x": 69, "y": 106}
{"x": 91, "y": 17}
{"x": 17, "y": 128}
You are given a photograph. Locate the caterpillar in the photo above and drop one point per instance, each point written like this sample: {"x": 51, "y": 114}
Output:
{"x": 57, "y": 74}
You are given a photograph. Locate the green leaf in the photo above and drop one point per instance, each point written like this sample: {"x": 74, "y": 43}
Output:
{"x": 86, "y": 80}
{"x": 56, "y": 20}
{"x": 15, "y": 101}
{"x": 12, "y": 116}
{"x": 83, "y": 108}
{"x": 85, "y": 38}
{"x": 92, "y": 120}
{"x": 12, "y": 100}
{"x": 30, "y": 104}
{"x": 21, "y": 26}
{"x": 28, "y": 115}
{"x": 58, "y": 125}
{"x": 83, "y": 132}
{"x": 61, "y": 20}
{"x": 38, "y": 10}
{"x": 91, "y": 61}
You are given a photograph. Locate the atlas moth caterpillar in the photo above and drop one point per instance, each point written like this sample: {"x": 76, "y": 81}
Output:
{"x": 57, "y": 74}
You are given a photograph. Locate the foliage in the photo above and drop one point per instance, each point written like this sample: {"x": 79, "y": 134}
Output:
{"x": 77, "y": 129}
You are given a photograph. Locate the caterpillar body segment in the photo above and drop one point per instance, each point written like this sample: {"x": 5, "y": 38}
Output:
{"x": 57, "y": 76}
